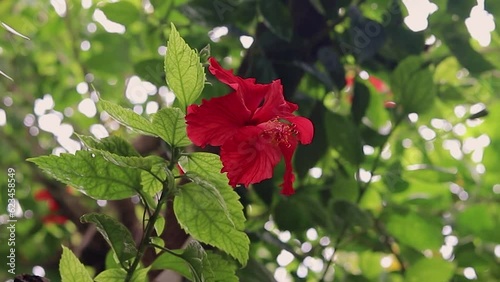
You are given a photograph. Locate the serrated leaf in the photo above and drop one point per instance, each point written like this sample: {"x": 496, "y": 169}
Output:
{"x": 200, "y": 213}
{"x": 196, "y": 257}
{"x": 170, "y": 125}
{"x": 119, "y": 275}
{"x": 92, "y": 174}
{"x": 112, "y": 144}
{"x": 71, "y": 269}
{"x": 223, "y": 269}
{"x": 191, "y": 262}
{"x": 208, "y": 167}
{"x": 173, "y": 262}
{"x": 184, "y": 72}
{"x": 128, "y": 117}
{"x": 111, "y": 275}
{"x": 146, "y": 163}
{"x": 121, "y": 153}
{"x": 150, "y": 183}
{"x": 115, "y": 233}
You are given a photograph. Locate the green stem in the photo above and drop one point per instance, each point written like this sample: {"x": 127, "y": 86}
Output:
{"x": 167, "y": 188}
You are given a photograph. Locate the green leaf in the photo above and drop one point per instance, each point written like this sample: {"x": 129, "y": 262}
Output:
{"x": 292, "y": 214}
{"x": 196, "y": 257}
{"x": 122, "y": 12}
{"x": 413, "y": 85}
{"x": 112, "y": 144}
{"x": 476, "y": 220}
{"x": 119, "y": 275}
{"x": 368, "y": 36}
{"x": 146, "y": 163}
{"x": 118, "y": 151}
{"x": 360, "y": 101}
{"x": 115, "y": 233}
{"x": 344, "y": 137}
{"x": 202, "y": 213}
{"x": 160, "y": 225}
{"x": 307, "y": 157}
{"x": 277, "y": 18}
{"x": 430, "y": 173}
{"x": 351, "y": 214}
{"x": 415, "y": 231}
{"x": 185, "y": 74}
{"x": 459, "y": 44}
{"x": 92, "y": 174}
{"x": 330, "y": 59}
{"x": 223, "y": 268}
{"x": 128, "y": 118}
{"x": 170, "y": 125}
{"x": 111, "y": 275}
{"x": 71, "y": 269}
{"x": 369, "y": 264}
{"x": 208, "y": 167}
{"x": 191, "y": 262}
{"x": 255, "y": 271}
{"x": 174, "y": 262}
{"x": 151, "y": 70}
{"x": 150, "y": 184}
{"x": 430, "y": 269}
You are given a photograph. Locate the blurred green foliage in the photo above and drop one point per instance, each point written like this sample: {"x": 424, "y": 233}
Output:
{"x": 400, "y": 183}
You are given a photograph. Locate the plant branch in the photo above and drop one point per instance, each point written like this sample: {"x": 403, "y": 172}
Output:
{"x": 167, "y": 189}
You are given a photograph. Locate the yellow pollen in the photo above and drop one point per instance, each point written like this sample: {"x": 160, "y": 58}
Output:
{"x": 280, "y": 131}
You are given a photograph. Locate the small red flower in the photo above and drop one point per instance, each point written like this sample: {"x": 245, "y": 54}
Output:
{"x": 44, "y": 195}
{"x": 54, "y": 218}
{"x": 379, "y": 85}
{"x": 254, "y": 126}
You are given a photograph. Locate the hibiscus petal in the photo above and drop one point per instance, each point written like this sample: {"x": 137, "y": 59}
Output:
{"x": 251, "y": 92}
{"x": 216, "y": 120}
{"x": 223, "y": 75}
{"x": 288, "y": 177}
{"x": 304, "y": 127}
{"x": 249, "y": 157}
{"x": 274, "y": 105}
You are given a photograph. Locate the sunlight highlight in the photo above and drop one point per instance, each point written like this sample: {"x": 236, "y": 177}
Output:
{"x": 418, "y": 12}
{"x": 480, "y": 24}
{"x": 108, "y": 25}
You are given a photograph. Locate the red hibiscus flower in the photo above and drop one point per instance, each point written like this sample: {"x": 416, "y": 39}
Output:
{"x": 253, "y": 125}
{"x": 44, "y": 195}
{"x": 53, "y": 217}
